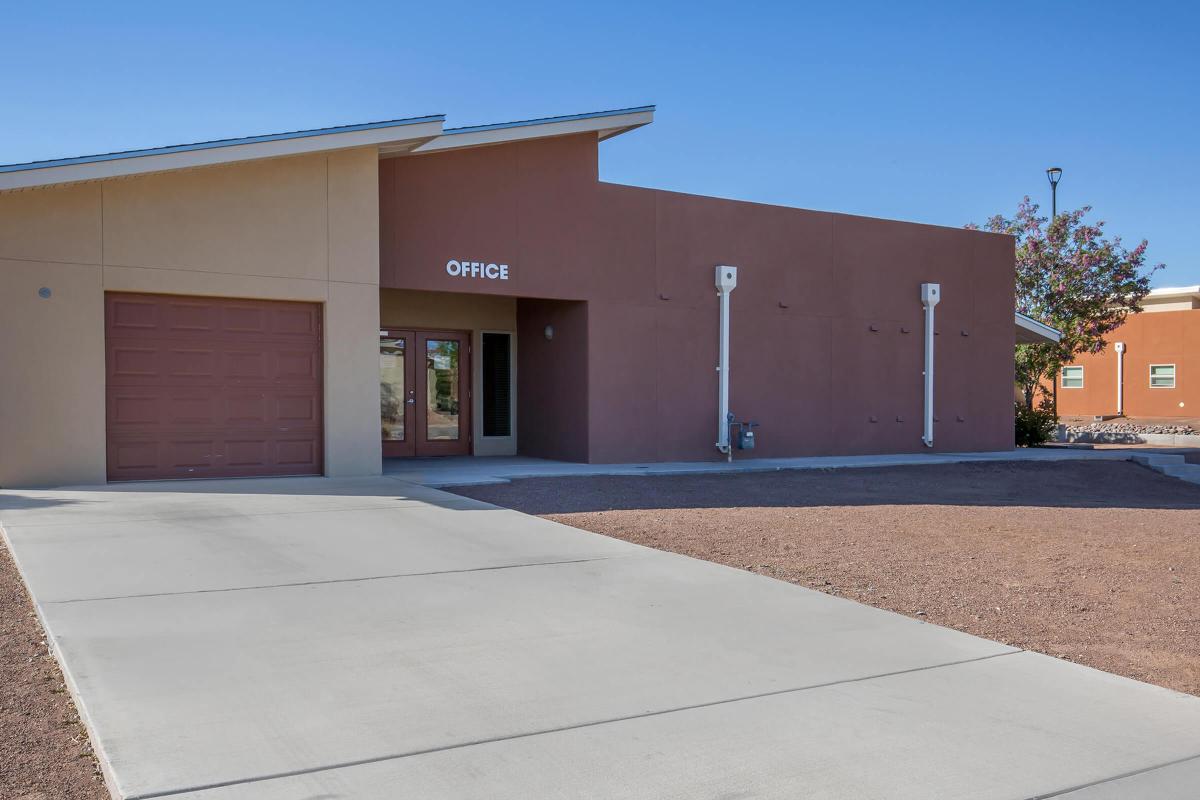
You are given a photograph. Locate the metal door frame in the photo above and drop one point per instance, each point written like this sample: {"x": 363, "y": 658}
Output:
{"x": 415, "y": 442}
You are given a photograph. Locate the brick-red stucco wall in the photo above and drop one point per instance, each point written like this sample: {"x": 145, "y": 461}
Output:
{"x": 826, "y": 347}
{"x": 1151, "y": 337}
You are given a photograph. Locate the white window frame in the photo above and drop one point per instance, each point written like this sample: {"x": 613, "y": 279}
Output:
{"x": 1174, "y": 372}
{"x": 1062, "y": 377}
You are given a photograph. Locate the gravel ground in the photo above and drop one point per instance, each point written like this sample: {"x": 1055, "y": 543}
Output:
{"x": 1129, "y": 427}
{"x": 1177, "y": 426}
{"x": 1094, "y": 562}
{"x": 44, "y": 749}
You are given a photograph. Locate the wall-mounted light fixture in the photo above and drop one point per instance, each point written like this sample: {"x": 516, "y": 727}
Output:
{"x": 549, "y": 332}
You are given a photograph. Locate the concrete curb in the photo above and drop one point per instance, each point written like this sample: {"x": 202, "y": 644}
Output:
{"x": 470, "y": 472}
{"x": 1169, "y": 464}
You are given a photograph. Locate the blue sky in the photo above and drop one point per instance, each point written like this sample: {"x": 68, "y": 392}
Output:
{"x": 943, "y": 113}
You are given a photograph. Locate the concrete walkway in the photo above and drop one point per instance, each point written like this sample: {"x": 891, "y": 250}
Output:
{"x": 315, "y": 638}
{"x": 470, "y": 471}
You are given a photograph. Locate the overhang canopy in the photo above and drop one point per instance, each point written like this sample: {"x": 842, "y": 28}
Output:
{"x": 1030, "y": 331}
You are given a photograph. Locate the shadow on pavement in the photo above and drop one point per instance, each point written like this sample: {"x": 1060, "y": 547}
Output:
{"x": 1051, "y": 484}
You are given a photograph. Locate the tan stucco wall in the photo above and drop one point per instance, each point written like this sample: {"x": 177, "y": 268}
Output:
{"x": 446, "y": 310}
{"x": 51, "y": 374}
{"x": 1186, "y": 304}
{"x": 300, "y": 228}
{"x": 408, "y": 309}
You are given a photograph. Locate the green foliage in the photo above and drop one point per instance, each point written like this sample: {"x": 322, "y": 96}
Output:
{"x": 1035, "y": 426}
{"x": 1073, "y": 279}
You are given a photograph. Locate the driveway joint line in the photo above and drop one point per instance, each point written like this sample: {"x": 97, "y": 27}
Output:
{"x": 1122, "y": 776}
{"x": 559, "y": 729}
{"x": 406, "y": 505}
{"x": 362, "y": 579}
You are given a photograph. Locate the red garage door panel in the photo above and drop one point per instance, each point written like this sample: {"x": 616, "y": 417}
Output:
{"x": 202, "y": 387}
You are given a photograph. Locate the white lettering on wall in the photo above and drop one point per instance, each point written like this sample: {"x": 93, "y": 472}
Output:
{"x": 477, "y": 269}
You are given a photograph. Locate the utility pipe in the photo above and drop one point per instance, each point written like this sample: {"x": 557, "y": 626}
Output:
{"x": 726, "y": 281}
{"x": 931, "y": 293}
{"x": 1120, "y": 348}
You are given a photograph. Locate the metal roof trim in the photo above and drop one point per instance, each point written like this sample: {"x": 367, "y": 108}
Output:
{"x": 548, "y": 120}
{"x": 1173, "y": 291}
{"x": 1038, "y": 328}
{"x": 217, "y": 143}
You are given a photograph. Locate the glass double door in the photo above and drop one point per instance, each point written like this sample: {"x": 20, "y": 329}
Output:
{"x": 423, "y": 393}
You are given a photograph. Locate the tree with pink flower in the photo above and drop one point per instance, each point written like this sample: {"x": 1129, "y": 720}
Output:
{"x": 1072, "y": 278}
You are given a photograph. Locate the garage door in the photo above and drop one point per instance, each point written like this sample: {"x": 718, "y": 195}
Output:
{"x": 202, "y": 387}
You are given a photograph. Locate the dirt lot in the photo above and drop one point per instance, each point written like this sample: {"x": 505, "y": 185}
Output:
{"x": 44, "y": 750}
{"x": 1094, "y": 562}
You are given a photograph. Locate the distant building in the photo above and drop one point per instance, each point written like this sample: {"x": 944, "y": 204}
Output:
{"x": 1148, "y": 368}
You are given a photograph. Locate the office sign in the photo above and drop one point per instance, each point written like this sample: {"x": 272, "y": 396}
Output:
{"x": 485, "y": 270}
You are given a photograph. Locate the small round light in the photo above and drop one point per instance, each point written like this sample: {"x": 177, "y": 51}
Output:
{"x": 549, "y": 332}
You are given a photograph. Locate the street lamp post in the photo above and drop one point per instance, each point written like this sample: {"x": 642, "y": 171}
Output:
{"x": 1054, "y": 174}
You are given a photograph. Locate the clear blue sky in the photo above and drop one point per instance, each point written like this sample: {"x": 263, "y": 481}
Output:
{"x": 935, "y": 113}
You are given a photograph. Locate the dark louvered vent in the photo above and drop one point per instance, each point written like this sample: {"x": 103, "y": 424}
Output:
{"x": 497, "y": 385}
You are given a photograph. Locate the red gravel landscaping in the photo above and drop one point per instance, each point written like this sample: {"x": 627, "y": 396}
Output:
{"x": 1092, "y": 561}
{"x": 44, "y": 749}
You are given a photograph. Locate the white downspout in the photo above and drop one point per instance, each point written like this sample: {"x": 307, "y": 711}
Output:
{"x": 931, "y": 293}
{"x": 726, "y": 281}
{"x": 1120, "y": 348}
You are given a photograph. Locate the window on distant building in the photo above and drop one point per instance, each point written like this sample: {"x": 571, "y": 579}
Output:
{"x": 1162, "y": 376}
{"x": 1072, "y": 377}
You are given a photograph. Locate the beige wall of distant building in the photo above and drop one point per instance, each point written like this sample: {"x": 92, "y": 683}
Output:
{"x": 1186, "y": 304}
{"x": 300, "y": 228}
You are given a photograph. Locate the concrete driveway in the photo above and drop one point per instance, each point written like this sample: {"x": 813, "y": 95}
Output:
{"x": 314, "y": 638}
